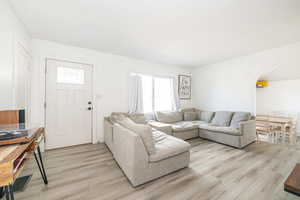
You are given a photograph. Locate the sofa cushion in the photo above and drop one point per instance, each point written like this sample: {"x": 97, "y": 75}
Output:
{"x": 190, "y": 116}
{"x": 158, "y": 135}
{"x": 164, "y": 127}
{"x": 239, "y": 117}
{"x": 183, "y": 126}
{"x": 115, "y": 117}
{"x": 222, "y": 118}
{"x": 198, "y": 122}
{"x": 144, "y": 131}
{"x": 169, "y": 147}
{"x": 221, "y": 129}
{"x": 188, "y": 110}
{"x": 138, "y": 118}
{"x": 205, "y": 116}
{"x": 169, "y": 117}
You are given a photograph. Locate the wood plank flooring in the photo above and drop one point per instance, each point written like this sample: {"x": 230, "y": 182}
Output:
{"x": 216, "y": 171}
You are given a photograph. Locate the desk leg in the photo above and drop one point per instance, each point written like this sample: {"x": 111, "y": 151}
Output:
{"x": 41, "y": 165}
{"x": 2, "y": 192}
{"x": 6, "y": 192}
{"x": 9, "y": 192}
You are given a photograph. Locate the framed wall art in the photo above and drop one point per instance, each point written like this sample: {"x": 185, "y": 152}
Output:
{"x": 185, "y": 87}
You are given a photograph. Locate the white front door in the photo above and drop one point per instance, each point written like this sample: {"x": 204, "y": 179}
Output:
{"x": 68, "y": 104}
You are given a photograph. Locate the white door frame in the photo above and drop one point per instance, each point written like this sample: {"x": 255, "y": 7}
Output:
{"x": 94, "y": 117}
{"x": 19, "y": 46}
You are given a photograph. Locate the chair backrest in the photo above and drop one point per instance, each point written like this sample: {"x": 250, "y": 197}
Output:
{"x": 9, "y": 117}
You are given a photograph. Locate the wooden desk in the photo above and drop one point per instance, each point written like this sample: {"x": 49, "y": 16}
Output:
{"x": 10, "y": 154}
{"x": 292, "y": 184}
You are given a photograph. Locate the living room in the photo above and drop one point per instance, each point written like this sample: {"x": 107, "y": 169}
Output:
{"x": 146, "y": 100}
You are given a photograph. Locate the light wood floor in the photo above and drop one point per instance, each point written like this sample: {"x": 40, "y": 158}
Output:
{"x": 216, "y": 171}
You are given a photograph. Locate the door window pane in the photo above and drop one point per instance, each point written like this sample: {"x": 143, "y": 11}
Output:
{"x": 70, "y": 75}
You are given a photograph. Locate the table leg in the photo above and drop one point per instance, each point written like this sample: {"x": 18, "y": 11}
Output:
{"x": 40, "y": 164}
{"x": 9, "y": 192}
{"x": 6, "y": 192}
{"x": 2, "y": 192}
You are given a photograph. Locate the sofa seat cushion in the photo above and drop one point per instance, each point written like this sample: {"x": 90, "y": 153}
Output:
{"x": 158, "y": 135}
{"x": 198, "y": 122}
{"x": 168, "y": 147}
{"x": 221, "y": 129}
{"x": 184, "y": 126}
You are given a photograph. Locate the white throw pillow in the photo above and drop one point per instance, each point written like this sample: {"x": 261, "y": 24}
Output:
{"x": 205, "y": 116}
{"x": 239, "y": 117}
{"x": 222, "y": 118}
{"x": 144, "y": 131}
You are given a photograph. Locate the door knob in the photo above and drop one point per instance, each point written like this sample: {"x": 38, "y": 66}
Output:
{"x": 89, "y": 102}
{"x": 89, "y": 108}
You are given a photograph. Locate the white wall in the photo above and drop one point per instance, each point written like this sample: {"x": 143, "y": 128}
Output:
{"x": 12, "y": 32}
{"x": 281, "y": 97}
{"x": 230, "y": 85}
{"x": 111, "y": 74}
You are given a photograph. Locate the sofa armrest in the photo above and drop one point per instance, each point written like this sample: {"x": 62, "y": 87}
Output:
{"x": 108, "y": 133}
{"x": 248, "y": 131}
{"x": 130, "y": 152}
{"x": 163, "y": 127}
{"x": 247, "y": 127}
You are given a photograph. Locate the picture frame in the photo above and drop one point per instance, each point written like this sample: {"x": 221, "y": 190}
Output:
{"x": 184, "y": 87}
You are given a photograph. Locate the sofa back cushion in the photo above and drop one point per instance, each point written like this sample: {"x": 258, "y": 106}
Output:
{"x": 115, "y": 117}
{"x": 190, "y": 116}
{"x": 188, "y": 110}
{"x": 239, "y": 117}
{"x": 222, "y": 118}
{"x": 169, "y": 117}
{"x": 144, "y": 131}
{"x": 205, "y": 116}
{"x": 138, "y": 118}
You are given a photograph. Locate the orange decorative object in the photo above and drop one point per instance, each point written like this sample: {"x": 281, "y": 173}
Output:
{"x": 262, "y": 84}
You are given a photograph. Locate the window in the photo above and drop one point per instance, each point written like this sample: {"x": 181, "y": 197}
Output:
{"x": 163, "y": 94}
{"x": 70, "y": 76}
{"x": 157, "y": 94}
{"x": 147, "y": 94}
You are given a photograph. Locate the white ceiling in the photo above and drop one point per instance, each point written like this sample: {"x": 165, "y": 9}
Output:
{"x": 177, "y": 32}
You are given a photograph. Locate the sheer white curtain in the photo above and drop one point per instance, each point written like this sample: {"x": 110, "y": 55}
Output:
{"x": 150, "y": 94}
{"x": 135, "y": 94}
{"x": 174, "y": 94}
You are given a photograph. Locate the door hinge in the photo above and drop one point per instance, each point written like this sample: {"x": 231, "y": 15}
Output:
{"x": 46, "y": 70}
{"x": 45, "y": 105}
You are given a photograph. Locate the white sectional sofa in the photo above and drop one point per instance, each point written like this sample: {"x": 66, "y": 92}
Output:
{"x": 231, "y": 128}
{"x": 143, "y": 159}
{"x": 138, "y": 164}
